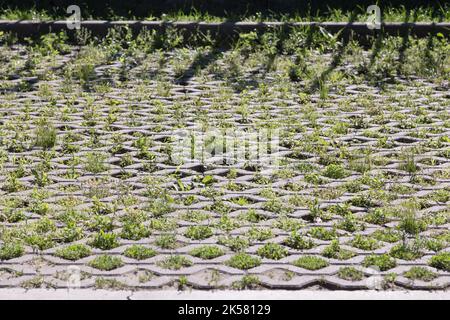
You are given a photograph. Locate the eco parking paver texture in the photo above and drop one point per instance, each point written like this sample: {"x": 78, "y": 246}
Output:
{"x": 129, "y": 106}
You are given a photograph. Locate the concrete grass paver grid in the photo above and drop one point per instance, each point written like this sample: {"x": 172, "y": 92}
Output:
{"x": 362, "y": 171}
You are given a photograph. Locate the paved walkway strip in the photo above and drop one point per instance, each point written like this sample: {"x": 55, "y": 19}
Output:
{"x": 87, "y": 294}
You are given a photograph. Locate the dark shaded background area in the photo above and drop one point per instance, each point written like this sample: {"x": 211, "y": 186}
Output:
{"x": 223, "y": 8}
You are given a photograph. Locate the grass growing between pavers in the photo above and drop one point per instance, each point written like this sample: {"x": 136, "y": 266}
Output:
{"x": 356, "y": 183}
